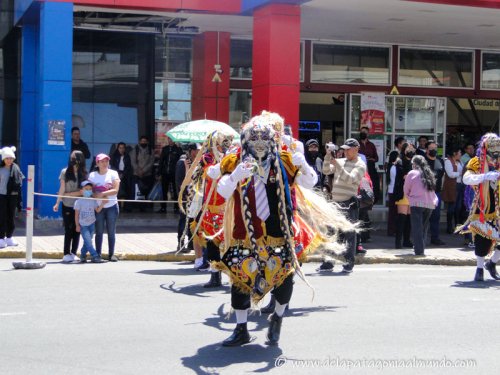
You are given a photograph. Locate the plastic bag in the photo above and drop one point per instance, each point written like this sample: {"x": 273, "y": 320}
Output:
{"x": 156, "y": 193}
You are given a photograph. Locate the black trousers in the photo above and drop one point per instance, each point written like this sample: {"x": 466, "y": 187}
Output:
{"x": 213, "y": 253}
{"x": 168, "y": 185}
{"x": 482, "y": 245}
{"x": 8, "y": 205}
{"x": 283, "y": 294}
{"x": 71, "y": 236}
{"x": 351, "y": 207}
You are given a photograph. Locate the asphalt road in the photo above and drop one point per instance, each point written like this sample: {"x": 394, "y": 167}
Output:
{"x": 155, "y": 318}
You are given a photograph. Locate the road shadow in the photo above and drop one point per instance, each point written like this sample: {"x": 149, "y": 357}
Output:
{"x": 213, "y": 358}
{"x": 477, "y": 284}
{"x": 171, "y": 272}
{"x": 219, "y": 319}
{"x": 195, "y": 290}
{"x": 327, "y": 274}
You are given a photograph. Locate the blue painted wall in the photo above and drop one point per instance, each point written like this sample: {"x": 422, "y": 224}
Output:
{"x": 46, "y": 94}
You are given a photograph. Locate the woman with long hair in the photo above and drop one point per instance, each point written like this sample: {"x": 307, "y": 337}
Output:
{"x": 419, "y": 187}
{"x": 70, "y": 179}
{"x": 403, "y": 226}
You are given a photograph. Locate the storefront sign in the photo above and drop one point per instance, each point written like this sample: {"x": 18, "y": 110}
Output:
{"x": 56, "y": 132}
{"x": 373, "y": 112}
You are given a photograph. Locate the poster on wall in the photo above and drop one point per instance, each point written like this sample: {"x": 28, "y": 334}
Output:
{"x": 161, "y": 129}
{"x": 373, "y": 112}
{"x": 56, "y": 132}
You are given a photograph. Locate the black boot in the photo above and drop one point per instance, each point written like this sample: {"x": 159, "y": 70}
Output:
{"x": 407, "y": 232}
{"x": 492, "y": 269}
{"x": 215, "y": 281}
{"x": 449, "y": 223}
{"x": 479, "y": 275}
{"x": 270, "y": 306}
{"x": 273, "y": 333}
{"x": 239, "y": 337}
{"x": 399, "y": 230}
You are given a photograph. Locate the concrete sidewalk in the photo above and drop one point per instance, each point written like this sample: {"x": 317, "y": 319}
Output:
{"x": 154, "y": 237}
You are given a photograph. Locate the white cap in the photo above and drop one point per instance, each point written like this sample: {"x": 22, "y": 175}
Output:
{"x": 8, "y": 152}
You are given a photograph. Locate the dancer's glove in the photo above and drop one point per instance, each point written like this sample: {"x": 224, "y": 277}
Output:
{"x": 492, "y": 176}
{"x": 214, "y": 172}
{"x": 241, "y": 173}
{"x": 299, "y": 160}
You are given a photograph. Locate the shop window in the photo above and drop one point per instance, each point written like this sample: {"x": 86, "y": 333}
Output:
{"x": 173, "y": 57}
{"x": 490, "y": 72}
{"x": 240, "y": 107}
{"x": 241, "y": 59}
{"x": 111, "y": 75}
{"x": 436, "y": 68}
{"x": 350, "y": 64}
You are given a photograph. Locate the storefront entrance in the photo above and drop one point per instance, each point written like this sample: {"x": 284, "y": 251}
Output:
{"x": 405, "y": 116}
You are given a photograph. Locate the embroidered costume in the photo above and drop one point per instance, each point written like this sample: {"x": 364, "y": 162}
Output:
{"x": 483, "y": 173}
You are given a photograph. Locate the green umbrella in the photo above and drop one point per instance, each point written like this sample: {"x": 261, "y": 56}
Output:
{"x": 197, "y": 131}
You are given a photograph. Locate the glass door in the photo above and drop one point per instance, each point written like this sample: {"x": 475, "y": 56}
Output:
{"x": 405, "y": 116}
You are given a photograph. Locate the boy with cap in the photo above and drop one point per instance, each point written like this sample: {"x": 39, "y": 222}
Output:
{"x": 85, "y": 210}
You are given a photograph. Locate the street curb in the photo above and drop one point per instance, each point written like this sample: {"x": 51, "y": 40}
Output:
{"x": 172, "y": 257}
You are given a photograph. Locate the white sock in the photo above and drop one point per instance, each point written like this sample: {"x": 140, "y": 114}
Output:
{"x": 280, "y": 309}
{"x": 198, "y": 262}
{"x": 480, "y": 262}
{"x": 241, "y": 316}
{"x": 496, "y": 256}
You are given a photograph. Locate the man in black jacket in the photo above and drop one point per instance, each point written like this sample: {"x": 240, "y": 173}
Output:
{"x": 77, "y": 143}
{"x": 170, "y": 154}
{"x": 437, "y": 166}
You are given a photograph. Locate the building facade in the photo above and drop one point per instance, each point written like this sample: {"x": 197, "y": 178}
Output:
{"x": 119, "y": 69}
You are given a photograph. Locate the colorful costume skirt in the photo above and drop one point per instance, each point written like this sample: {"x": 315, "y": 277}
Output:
{"x": 256, "y": 273}
{"x": 211, "y": 224}
{"x": 306, "y": 239}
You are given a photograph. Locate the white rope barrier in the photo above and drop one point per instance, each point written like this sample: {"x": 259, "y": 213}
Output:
{"x": 100, "y": 199}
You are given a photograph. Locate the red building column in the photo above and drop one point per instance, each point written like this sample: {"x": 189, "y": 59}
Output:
{"x": 210, "y": 99}
{"x": 276, "y": 61}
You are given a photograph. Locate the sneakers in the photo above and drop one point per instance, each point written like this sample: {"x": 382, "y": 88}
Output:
{"x": 347, "y": 268}
{"x": 83, "y": 260}
{"x": 360, "y": 250}
{"x": 68, "y": 258}
{"x": 10, "y": 242}
{"x": 3, "y": 244}
{"x": 100, "y": 260}
{"x": 113, "y": 258}
{"x": 203, "y": 267}
{"x": 471, "y": 245}
{"x": 326, "y": 266}
{"x": 198, "y": 262}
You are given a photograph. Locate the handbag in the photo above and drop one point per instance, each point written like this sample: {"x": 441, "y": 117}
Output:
{"x": 156, "y": 193}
